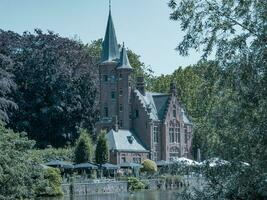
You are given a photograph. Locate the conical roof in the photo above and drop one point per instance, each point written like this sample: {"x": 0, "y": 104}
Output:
{"x": 124, "y": 61}
{"x": 110, "y": 49}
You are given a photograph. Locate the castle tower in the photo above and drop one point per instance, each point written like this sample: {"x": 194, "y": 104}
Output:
{"x": 114, "y": 71}
{"x": 124, "y": 70}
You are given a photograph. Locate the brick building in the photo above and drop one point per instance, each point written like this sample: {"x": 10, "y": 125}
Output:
{"x": 140, "y": 124}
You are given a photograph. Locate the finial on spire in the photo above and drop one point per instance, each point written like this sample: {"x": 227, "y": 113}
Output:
{"x": 122, "y": 44}
{"x": 109, "y": 5}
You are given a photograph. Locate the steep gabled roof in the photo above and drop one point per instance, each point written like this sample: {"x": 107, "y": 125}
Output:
{"x": 110, "y": 49}
{"x": 158, "y": 104}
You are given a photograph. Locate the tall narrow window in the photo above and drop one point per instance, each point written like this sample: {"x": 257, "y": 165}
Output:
{"x": 136, "y": 113}
{"x": 177, "y": 133}
{"x": 156, "y": 134}
{"x": 174, "y": 111}
{"x": 113, "y": 95}
{"x": 106, "y": 111}
{"x": 105, "y": 77}
{"x": 123, "y": 158}
{"x": 121, "y": 92}
{"x": 121, "y": 123}
{"x": 171, "y": 135}
{"x": 121, "y": 108}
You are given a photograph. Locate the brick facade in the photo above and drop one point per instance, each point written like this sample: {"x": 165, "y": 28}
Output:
{"x": 157, "y": 120}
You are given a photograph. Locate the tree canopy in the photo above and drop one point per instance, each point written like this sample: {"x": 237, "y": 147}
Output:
{"x": 235, "y": 121}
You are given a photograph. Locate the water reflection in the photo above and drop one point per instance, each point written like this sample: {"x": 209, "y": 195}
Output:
{"x": 142, "y": 195}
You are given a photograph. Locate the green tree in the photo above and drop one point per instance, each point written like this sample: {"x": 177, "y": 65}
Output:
{"x": 84, "y": 148}
{"x": 7, "y": 85}
{"x": 101, "y": 153}
{"x": 236, "y": 32}
{"x": 20, "y": 174}
{"x": 57, "y": 85}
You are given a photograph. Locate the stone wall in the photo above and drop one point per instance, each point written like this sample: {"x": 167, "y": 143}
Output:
{"x": 78, "y": 189}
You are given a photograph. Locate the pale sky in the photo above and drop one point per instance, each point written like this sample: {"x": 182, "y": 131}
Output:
{"x": 143, "y": 25}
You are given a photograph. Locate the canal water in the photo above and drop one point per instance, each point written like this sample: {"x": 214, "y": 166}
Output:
{"x": 141, "y": 195}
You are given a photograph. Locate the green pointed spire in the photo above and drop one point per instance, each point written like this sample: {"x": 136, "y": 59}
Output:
{"x": 124, "y": 61}
{"x": 110, "y": 47}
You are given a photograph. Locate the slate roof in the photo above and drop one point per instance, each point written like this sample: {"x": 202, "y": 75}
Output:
{"x": 124, "y": 61}
{"x": 124, "y": 140}
{"x": 85, "y": 166}
{"x": 158, "y": 103}
{"x": 110, "y": 46}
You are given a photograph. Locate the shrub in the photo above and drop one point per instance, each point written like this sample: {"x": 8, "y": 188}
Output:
{"x": 134, "y": 183}
{"x": 149, "y": 166}
{"x": 52, "y": 186}
{"x": 84, "y": 148}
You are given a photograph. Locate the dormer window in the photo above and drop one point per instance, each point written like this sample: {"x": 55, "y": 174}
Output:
{"x": 130, "y": 139}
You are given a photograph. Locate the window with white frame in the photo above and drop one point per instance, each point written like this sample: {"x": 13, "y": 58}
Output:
{"x": 156, "y": 134}
{"x": 177, "y": 133}
{"x": 171, "y": 135}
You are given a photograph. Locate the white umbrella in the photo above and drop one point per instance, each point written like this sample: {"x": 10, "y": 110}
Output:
{"x": 187, "y": 161}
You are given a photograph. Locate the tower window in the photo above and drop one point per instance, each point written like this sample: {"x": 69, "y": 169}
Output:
{"x": 121, "y": 123}
{"x": 121, "y": 92}
{"x": 106, "y": 111}
{"x": 136, "y": 113}
{"x": 121, "y": 108}
{"x": 113, "y": 95}
{"x": 120, "y": 75}
{"x": 105, "y": 77}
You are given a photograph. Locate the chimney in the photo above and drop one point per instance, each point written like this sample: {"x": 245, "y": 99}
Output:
{"x": 140, "y": 85}
{"x": 173, "y": 89}
{"x": 115, "y": 123}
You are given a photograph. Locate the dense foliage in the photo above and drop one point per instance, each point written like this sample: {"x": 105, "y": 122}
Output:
{"x": 57, "y": 86}
{"x": 101, "y": 152}
{"x": 83, "y": 151}
{"x": 7, "y": 85}
{"x": 236, "y": 116}
{"x": 53, "y": 188}
{"x": 20, "y": 174}
{"x": 48, "y": 154}
{"x": 149, "y": 166}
